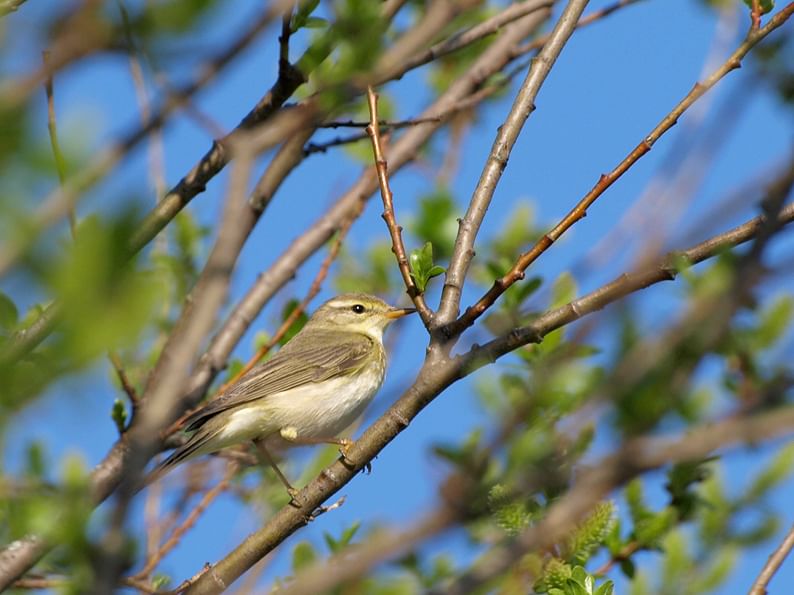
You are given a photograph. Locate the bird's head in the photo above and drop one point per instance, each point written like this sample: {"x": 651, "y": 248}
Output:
{"x": 357, "y": 312}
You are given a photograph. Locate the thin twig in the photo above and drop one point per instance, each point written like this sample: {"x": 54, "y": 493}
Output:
{"x": 60, "y": 168}
{"x": 187, "y": 524}
{"x": 586, "y": 20}
{"x": 52, "y": 129}
{"x": 755, "y": 14}
{"x": 773, "y": 564}
{"x": 283, "y": 42}
{"x": 59, "y": 582}
{"x": 398, "y": 247}
{"x": 480, "y": 31}
{"x": 387, "y": 124}
{"x": 516, "y": 273}
{"x": 124, "y": 380}
{"x": 624, "y": 554}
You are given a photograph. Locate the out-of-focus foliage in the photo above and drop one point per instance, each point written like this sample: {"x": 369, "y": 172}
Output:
{"x": 548, "y": 412}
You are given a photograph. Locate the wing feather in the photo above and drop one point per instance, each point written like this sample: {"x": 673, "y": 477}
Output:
{"x": 316, "y": 357}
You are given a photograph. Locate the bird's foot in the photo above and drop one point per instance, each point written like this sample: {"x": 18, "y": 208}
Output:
{"x": 295, "y": 499}
{"x": 345, "y": 444}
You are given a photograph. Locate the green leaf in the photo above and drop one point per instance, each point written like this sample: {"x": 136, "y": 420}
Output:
{"x": 775, "y": 473}
{"x": 35, "y": 464}
{"x": 436, "y": 222}
{"x": 303, "y": 555}
{"x": 422, "y": 267}
{"x": 9, "y": 316}
{"x": 119, "y": 415}
{"x": 301, "y": 16}
{"x": 591, "y": 533}
{"x": 336, "y": 545}
{"x": 315, "y": 23}
{"x": 628, "y": 568}
{"x": 773, "y": 322}
{"x": 766, "y": 5}
{"x": 682, "y": 477}
{"x": 160, "y": 580}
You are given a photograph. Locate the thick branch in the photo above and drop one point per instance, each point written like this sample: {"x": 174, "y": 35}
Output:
{"x": 160, "y": 400}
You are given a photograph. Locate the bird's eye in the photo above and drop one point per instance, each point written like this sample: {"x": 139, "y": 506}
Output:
{"x": 358, "y": 309}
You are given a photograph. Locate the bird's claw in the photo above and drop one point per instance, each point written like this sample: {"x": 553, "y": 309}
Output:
{"x": 345, "y": 444}
{"x": 294, "y": 497}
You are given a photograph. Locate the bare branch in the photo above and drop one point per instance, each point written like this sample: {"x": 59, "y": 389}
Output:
{"x": 476, "y": 33}
{"x": 185, "y": 526}
{"x": 516, "y": 273}
{"x": 506, "y": 137}
{"x": 664, "y": 270}
{"x": 398, "y": 247}
{"x": 755, "y": 14}
{"x": 160, "y": 400}
{"x": 325, "y": 575}
{"x": 773, "y": 564}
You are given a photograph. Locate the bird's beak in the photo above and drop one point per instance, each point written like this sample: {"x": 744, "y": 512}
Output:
{"x": 395, "y": 313}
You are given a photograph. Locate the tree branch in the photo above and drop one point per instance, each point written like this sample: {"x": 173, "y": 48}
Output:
{"x": 20, "y": 555}
{"x": 65, "y": 197}
{"x": 773, "y": 564}
{"x": 395, "y": 230}
{"x": 161, "y": 398}
{"x": 506, "y": 137}
{"x": 437, "y": 374}
{"x": 516, "y": 273}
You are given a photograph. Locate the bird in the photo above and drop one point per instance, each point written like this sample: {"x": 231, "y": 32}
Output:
{"x": 311, "y": 390}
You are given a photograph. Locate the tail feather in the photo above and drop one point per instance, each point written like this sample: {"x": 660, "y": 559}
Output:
{"x": 189, "y": 449}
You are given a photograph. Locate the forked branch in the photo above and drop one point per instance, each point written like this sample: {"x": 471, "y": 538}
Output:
{"x": 516, "y": 273}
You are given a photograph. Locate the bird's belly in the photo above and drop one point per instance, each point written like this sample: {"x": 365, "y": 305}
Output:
{"x": 317, "y": 410}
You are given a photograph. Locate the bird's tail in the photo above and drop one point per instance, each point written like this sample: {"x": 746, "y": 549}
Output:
{"x": 193, "y": 447}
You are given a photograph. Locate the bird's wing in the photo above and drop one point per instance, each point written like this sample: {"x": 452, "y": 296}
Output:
{"x": 305, "y": 359}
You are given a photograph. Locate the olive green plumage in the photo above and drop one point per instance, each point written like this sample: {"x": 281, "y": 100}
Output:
{"x": 309, "y": 391}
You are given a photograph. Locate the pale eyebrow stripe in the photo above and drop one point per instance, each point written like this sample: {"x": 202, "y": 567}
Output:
{"x": 338, "y": 304}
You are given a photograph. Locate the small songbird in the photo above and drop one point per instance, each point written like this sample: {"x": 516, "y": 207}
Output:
{"x": 312, "y": 389}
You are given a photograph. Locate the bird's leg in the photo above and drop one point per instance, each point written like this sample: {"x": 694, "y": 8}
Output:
{"x": 261, "y": 449}
{"x": 291, "y": 435}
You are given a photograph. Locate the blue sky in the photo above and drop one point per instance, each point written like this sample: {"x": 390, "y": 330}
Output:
{"x": 612, "y": 84}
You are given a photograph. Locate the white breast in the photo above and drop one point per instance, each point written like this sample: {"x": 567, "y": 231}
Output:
{"x": 320, "y": 410}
